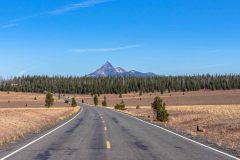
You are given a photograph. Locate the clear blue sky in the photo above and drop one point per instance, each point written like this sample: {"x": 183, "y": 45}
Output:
{"x": 74, "y": 37}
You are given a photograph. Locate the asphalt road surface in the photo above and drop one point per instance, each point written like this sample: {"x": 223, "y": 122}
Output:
{"x": 102, "y": 134}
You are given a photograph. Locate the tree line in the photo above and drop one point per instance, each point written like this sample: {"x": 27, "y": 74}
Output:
{"x": 119, "y": 85}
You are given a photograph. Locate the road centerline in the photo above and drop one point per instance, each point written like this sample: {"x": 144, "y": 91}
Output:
{"x": 108, "y": 144}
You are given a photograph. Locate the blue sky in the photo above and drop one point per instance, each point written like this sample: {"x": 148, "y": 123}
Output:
{"x": 74, "y": 37}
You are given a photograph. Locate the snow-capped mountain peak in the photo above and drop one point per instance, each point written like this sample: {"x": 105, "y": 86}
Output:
{"x": 107, "y": 70}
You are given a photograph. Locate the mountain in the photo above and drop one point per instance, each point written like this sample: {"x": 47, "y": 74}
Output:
{"x": 107, "y": 70}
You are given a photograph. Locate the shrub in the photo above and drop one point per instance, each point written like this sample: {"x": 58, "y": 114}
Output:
{"x": 95, "y": 100}
{"x": 104, "y": 103}
{"x": 120, "y": 106}
{"x": 74, "y": 102}
{"x": 35, "y": 98}
{"x": 138, "y": 107}
{"x": 159, "y": 110}
{"x": 161, "y": 91}
{"x": 49, "y": 100}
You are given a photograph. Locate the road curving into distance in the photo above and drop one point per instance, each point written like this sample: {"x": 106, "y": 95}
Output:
{"x": 102, "y": 134}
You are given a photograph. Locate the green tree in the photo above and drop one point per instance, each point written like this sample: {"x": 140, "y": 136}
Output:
{"x": 95, "y": 100}
{"x": 104, "y": 103}
{"x": 49, "y": 100}
{"x": 74, "y": 102}
{"x": 159, "y": 109}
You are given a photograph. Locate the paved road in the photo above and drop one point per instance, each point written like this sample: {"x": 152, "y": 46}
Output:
{"x": 102, "y": 134}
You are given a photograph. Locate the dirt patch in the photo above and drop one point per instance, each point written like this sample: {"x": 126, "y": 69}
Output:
{"x": 18, "y": 122}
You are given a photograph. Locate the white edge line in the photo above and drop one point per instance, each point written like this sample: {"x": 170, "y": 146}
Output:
{"x": 16, "y": 151}
{"x": 176, "y": 134}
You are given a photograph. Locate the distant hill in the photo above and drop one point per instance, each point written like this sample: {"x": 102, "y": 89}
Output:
{"x": 107, "y": 70}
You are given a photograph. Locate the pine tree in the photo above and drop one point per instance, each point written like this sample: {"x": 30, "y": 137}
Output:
{"x": 49, "y": 100}
{"x": 104, "y": 103}
{"x": 95, "y": 100}
{"x": 159, "y": 110}
{"x": 74, "y": 102}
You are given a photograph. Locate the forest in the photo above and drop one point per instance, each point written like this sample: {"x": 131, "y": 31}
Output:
{"x": 119, "y": 85}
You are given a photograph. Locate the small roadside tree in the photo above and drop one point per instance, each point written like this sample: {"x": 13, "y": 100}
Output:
{"x": 159, "y": 110}
{"x": 74, "y": 102}
{"x": 120, "y": 106}
{"x": 95, "y": 100}
{"x": 104, "y": 103}
{"x": 49, "y": 100}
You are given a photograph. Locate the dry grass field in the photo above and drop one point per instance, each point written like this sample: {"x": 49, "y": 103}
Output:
{"x": 172, "y": 99}
{"x": 18, "y": 122}
{"x": 219, "y": 123}
{"x": 26, "y": 100}
{"x": 18, "y": 119}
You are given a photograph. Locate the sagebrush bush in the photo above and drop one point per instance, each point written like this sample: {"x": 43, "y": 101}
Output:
{"x": 138, "y": 107}
{"x": 120, "y": 106}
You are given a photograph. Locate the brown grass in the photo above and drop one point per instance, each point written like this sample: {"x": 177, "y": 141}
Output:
{"x": 15, "y": 123}
{"x": 221, "y": 123}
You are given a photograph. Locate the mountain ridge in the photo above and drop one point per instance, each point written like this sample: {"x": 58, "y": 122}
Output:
{"x": 107, "y": 70}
